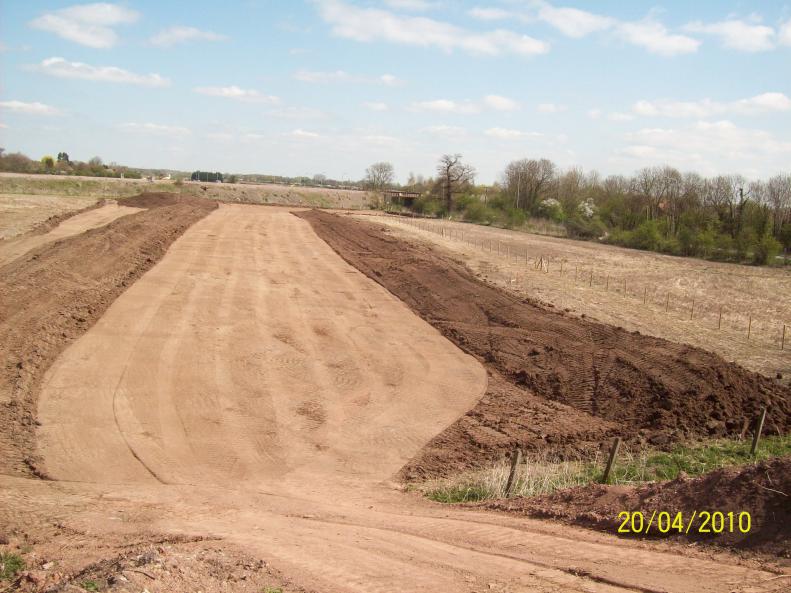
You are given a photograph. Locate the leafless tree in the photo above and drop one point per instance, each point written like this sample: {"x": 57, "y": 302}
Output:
{"x": 778, "y": 196}
{"x": 526, "y": 181}
{"x": 379, "y": 176}
{"x": 453, "y": 174}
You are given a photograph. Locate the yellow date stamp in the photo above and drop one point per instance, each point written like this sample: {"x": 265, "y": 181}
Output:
{"x": 666, "y": 523}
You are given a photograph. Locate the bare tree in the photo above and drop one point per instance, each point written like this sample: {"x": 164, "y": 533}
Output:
{"x": 527, "y": 180}
{"x": 379, "y": 176}
{"x": 453, "y": 175}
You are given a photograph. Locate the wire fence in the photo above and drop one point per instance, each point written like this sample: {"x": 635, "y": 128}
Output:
{"x": 707, "y": 312}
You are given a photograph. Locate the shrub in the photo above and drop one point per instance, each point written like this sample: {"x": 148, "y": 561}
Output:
{"x": 514, "y": 218}
{"x": 765, "y": 250}
{"x": 10, "y": 565}
{"x": 646, "y": 236}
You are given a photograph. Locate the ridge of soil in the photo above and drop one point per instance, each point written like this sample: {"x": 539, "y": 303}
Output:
{"x": 52, "y": 295}
{"x": 762, "y": 489}
{"x": 557, "y": 382}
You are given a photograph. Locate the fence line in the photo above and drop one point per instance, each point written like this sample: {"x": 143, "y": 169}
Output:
{"x": 542, "y": 265}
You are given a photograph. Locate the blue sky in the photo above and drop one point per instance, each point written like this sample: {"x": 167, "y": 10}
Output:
{"x": 330, "y": 86}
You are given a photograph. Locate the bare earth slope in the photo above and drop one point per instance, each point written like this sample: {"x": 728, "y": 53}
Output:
{"x": 72, "y": 225}
{"x": 647, "y": 388}
{"x": 53, "y": 294}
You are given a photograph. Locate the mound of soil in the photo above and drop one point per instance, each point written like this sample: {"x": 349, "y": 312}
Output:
{"x": 601, "y": 380}
{"x": 763, "y": 490}
{"x": 51, "y": 296}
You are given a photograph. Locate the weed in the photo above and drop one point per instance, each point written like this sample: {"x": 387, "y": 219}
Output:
{"x": 271, "y": 590}
{"x": 10, "y": 565}
{"x": 542, "y": 474}
{"x": 90, "y": 585}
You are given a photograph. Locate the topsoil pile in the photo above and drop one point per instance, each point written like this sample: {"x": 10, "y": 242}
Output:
{"x": 557, "y": 381}
{"x": 762, "y": 490}
{"x": 51, "y": 296}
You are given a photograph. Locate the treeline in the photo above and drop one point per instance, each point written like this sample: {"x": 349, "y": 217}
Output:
{"x": 16, "y": 162}
{"x": 659, "y": 209}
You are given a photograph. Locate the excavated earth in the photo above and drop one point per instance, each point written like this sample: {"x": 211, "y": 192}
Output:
{"x": 557, "y": 381}
{"x": 762, "y": 489}
{"x": 52, "y": 294}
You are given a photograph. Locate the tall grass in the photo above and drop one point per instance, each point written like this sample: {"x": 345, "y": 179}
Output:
{"x": 542, "y": 473}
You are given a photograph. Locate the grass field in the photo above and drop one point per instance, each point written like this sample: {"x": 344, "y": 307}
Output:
{"x": 671, "y": 297}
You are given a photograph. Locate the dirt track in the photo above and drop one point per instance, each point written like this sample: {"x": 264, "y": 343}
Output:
{"x": 608, "y": 380}
{"x": 254, "y": 387}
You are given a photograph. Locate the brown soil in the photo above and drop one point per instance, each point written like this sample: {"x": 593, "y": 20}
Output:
{"x": 763, "y": 490}
{"x": 608, "y": 380}
{"x": 55, "y": 293}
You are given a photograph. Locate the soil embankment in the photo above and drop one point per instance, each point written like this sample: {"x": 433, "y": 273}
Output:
{"x": 762, "y": 490}
{"x": 51, "y": 295}
{"x": 557, "y": 381}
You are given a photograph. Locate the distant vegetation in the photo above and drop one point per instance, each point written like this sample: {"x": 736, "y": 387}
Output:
{"x": 657, "y": 209}
{"x": 17, "y": 162}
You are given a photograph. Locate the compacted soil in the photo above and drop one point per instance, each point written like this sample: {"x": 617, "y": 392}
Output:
{"x": 243, "y": 406}
{"x": 557, "y": 381}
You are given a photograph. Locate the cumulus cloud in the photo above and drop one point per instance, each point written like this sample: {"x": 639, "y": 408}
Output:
{"x": 62, "y": 68}
{"x": 376, "y": 106}
{"x": 710, "y": 147}
{"x": 300, "y": 133}
{"x": 91, "y": 25}
{"x": 34, "y": 108}
{"x": 617, "y": 116}
{"x": 156, "y": 129}
{"x": 446, "y": 106}
{"x": 444, "y": 131}
{"x": 413, "y": 5}
{"x": 737, "y": 34}
{"x": 321, "y": 77}
{"x": 508, "y": 134}
{"x": 236, "y": 93}
{"x": 785, "y": 33}
{"x": 371, "y": 24}
{"x": 654, "y": 36}
{"x": 764, "y": 103}
{"x": 574, "y": 22}
{"x": 489, "y": 13}
{"x": 500, "y": 103}
{"x": 550, "y": 108}
{"x": 178, "y": 35}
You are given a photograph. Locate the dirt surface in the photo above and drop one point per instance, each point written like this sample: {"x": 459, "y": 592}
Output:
{"x": 255, "y": 391}
{"x": 675, "y": 298}
{"x": 69, "y": 226}
{"x": 285, "y": 195}
{"x": 763, "y": 490}
{"x": 51, "y": 295}
{"x": 24, "y": 213}
{"x": 648, "y": 389}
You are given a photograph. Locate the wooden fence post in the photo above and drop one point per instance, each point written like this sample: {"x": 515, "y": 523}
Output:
{"x": 591, "y": 281}
{"x": 516, "y": 458}
{"x": 645, "y": 294}
{"x": 719, "y": 321}
{"x": 667, "y": 302}
{"x": 750, "y": 326}
{"x": 692, "y": 310}
{"x": 757, "y": 433}
{"x": 783, "y": 339}
{"x": 611, "y": 460}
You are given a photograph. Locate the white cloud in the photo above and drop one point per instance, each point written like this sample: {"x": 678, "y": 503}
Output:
{"x": 710, "y": 147}
{"x": 444, "y": 131}
{"x": 370, "y": 24}
{"x": 785, "y": 33}
{"x": 318, "y": 77}
{"x": 61, "y": 68}
{"x": 87, "y": 24}
{"x": 445, "y": 106}
{"x": 737, "y": 34}
{"x": 34, "y": 108}
{"x": 156, "y": 129}
{"x": 3, "y": 126}
{"x": 376, "y": 106}
{"x": 489, "y": 13}
{"x": 594, "y": 113}
{"x": 508, "y": 134}
{"x": 573, "y": 22}
{"x": 764, "y": 103}
{"x": 550, "y": 108}
{"x": 655, "y": 37}
{"x": 236, "y": 93}
{"x": 500, "y": 103}
{"x": 300, "y": 133}
{"x": 414, "y": 5}
{"x": 177, "y": 35}
{"x": 300, "y": 113}
{"x": 620, "y": 116}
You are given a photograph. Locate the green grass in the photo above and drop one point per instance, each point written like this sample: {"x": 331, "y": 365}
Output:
{"x": 90, "y": 585}
{"x": 541, "y": 474}
{"x": 271, "y": 590}
{"x": 10, "y": 565}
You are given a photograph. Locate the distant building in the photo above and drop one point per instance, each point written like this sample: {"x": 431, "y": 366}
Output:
{"x": 397, "y": 196}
